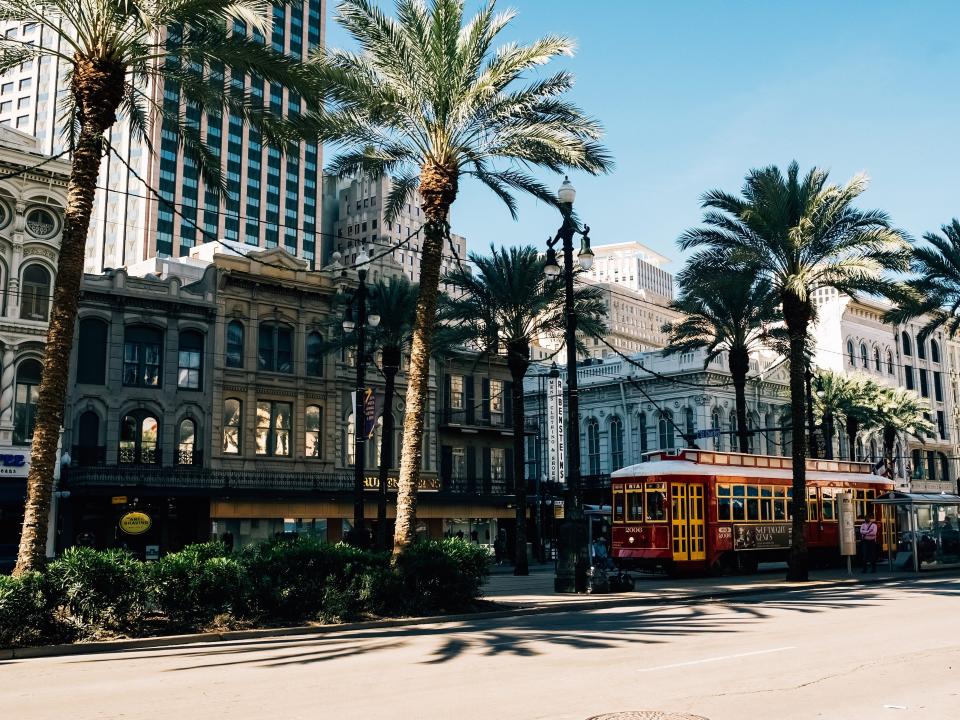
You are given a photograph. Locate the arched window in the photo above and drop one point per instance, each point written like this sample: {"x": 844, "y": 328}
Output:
{"x": 616, "y": 443}
{"x": 889, "y": 363}
{"x": 944, "y": 463}
{"x": 690, "y": 425}
{"x": 273, "y": 428}
{"x": 771, "y": 422}
{"x": 931, "y": 463}
{"x": 905, "y": 339}
{"x": 665, "y": 426}
{"x": 716, "y": 424}
{"x": 232, "y": 426}
{"x": 921, "y": 349}
{"x": 25, "y": 408}
{"x": 642, "y": 432}
{"x": 88, "y": 450}
{"x": 92, "y": 352}
{"x": 593, "y": 446}
{"x": 275, "y": 348}
{"x": 863, "y": 356}
{"x": 934, "y": 351}
{"x": 141, "y": 356}
{"x": 312, "y": 434}
{"x": 876, "y": 360}
{"x": 186, "y": 447}
{"x": 315, "y": 355}
{"x": 190, "y": 360}
{"x": 850, "y": 352}
{"x": 35, "y": 293}
{"x": 732, "y": 427}
{"x": 139, "y": 440}
{"x": 235, "y": 350}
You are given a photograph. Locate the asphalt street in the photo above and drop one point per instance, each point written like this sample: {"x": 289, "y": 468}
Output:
{"x": 864, "y": 652}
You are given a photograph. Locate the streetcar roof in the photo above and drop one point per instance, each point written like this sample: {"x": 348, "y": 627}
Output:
{"x": 686, "y": 467}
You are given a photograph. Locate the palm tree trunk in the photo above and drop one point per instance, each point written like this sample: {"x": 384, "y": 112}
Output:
{"x": 56, "y": 359}
{"x": 796, "y": 313}
{"x": 438, "y": 188}
{"x": 827, "y": 427}
{"x": 518, "y": 359}
{"x": 739, "y": 363}
{"x": 852, "y": 427}
{"x": 391, "y": 364}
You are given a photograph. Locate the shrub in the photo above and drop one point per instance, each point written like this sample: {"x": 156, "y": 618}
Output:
{"x": 193, "y": 586}
{"x": 297, "y": 579}
{"x": 103, "y": 589}
{"x": 441, "y": 575}
{"x": 26, "y": 613}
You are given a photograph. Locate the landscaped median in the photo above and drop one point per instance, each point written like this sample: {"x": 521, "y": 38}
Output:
{"x": 90, "y": 595}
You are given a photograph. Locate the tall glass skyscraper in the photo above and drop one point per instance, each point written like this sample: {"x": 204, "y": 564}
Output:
{"x": 272, "y": 200}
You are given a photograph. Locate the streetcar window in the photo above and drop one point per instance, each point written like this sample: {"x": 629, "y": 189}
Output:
{"x": 656, "y": 502}
{"x": 723, "y": 490}
{"x": 829, "y": 503}
{"x": 618, "y": 505}
{"x": 766, "y": 506}
{"x": 789, "y": 503}
{"x": 766, "y": 491}
{"x": 723, "y": 507}
{"x": 779, "y": 503}
{"x": 812, "y": 504}
{"x": 738, "y": 509}
{"x": 635, "y": 507}
{"x": 752, "y": 491}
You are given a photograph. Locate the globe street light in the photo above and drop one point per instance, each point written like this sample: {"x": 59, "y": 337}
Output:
{"x": 571, "y": 573}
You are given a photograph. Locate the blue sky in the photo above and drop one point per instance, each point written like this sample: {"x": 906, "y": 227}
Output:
{"x": 693, "y": 94}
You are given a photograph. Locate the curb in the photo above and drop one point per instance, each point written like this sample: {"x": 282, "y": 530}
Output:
{"x": 517, "y": 611}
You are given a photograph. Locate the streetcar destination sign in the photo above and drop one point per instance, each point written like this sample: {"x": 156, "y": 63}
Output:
{"x": 762, "y": 537}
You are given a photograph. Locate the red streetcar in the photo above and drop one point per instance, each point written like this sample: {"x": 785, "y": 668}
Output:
{"x": 697, "y": 510}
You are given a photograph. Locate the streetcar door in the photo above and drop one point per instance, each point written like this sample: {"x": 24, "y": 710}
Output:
{"x": 687, "y": 521}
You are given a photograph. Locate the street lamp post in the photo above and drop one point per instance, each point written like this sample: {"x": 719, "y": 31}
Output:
{"x": 571, "y": 573}
{"x": 359, "y": 303}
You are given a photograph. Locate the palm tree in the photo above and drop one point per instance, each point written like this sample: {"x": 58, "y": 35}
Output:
{"x": 505, "y": 305}
{"x": 117, "y": 55}
{"x": 428, "y": 100}
{"x": 395, "y": 300}
{"x": 731, "y": 312}
{"x": 801, "y": 234}
{"x": 934, "y": 290}
{"x": 901, "y": 411}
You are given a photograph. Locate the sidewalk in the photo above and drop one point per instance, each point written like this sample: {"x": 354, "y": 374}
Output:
{"x": 536, "y": 589}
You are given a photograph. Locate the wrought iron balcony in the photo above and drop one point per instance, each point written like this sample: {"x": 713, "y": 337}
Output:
{"x": 462, "y": 418}
{"x": 477, "y": 485}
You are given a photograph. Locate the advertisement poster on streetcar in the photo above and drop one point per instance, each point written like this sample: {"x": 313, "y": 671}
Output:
{"x": 762, "y": 537}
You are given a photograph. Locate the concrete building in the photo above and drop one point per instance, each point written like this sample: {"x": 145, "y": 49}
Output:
{"x": 355, "y": 220}
{"x": 851, "y": 336}
{"x": 31, "y": 225}
{"x": 635, "y": 323}
{"x": 634, "y": 266}
{"x": 274, "y": 200}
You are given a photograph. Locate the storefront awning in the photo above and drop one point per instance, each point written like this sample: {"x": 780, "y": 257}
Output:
{"x": 895, "y": 497}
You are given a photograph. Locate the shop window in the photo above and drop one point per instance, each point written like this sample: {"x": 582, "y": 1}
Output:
{"x": 186, "y": 448}
{"x": 313, "y": 439}
{"x": 35, "y": 293}
{"x": 190, "y": 360}
{"x": 25, "y": 407}
{"x": 232, "y": 425}
{"x": 275, "y": 348}
{"x": 92, "y": 351}
{"x": 141, "y": 356}
{"x": 314, "y": 355}
{"x": 235, "y": 333}
{"x": 273, "y": 429}
{"x": 139, "y": 440}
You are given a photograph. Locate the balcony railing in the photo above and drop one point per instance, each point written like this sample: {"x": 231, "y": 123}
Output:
{"x": 496, "y": 421}
{"x": 477, "y": 485}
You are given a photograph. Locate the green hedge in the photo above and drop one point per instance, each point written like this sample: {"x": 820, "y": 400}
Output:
{"x": 88, "y": 593}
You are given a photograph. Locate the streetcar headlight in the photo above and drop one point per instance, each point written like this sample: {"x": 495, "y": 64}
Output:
{"x": 630, "y": 540}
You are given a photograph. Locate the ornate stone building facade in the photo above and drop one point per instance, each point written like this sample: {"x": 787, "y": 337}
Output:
{"x": 32, "y": 197}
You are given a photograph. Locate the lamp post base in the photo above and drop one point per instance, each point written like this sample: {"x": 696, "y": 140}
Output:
{"x": 571, "y": 574}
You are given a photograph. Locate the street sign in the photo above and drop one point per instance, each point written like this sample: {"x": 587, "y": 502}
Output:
{"x": 848, "y": 533}
{"x": 708, "y": 433}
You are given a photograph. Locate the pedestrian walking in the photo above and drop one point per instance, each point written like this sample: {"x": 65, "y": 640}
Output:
{"x": 868, "y": 544}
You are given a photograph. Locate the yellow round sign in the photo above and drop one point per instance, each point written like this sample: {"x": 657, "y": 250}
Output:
{"x": 135, "y": 523}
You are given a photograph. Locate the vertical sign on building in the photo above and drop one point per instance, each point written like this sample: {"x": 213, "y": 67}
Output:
{"x": 556, "y": 438}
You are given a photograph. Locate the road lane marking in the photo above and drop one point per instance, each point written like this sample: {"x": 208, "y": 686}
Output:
{"x": 719, "y": 658}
